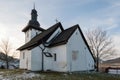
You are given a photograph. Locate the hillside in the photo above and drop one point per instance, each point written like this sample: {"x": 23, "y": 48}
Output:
{"x": 13, "y": 62}
{"x": 3, "y": 57}
{"x": 116, "y": 60}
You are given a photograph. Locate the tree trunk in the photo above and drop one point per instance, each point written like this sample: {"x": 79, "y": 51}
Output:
{"x": 97, "y": 63}
{"x": 7, "y": 63}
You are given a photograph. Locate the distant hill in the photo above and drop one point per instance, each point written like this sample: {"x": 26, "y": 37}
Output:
{"x": 3, "y": 57}
{"x": 13, "y": 62}
{"x": 116, "y": 60}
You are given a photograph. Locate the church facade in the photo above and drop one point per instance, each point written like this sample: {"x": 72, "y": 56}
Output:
{"x": 55, "y": 48}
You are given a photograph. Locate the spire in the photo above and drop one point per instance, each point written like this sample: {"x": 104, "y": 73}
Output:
{"x": 34, "y": 5}
{"x": 34, "y": 14}
{"x": 33, "y": 23}
{"x": 56, "y": 20}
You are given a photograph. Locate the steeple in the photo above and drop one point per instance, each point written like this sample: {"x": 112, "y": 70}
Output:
{"x": 33, "y": 23}
{"x": 34, "y": 6}
{"x": 34, "y": 14}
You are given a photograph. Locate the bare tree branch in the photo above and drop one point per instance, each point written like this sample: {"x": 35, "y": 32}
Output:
{"x": 100, "y": 44}
{"x": 6, "y": 49}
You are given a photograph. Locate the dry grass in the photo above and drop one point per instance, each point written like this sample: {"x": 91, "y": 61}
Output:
{"x": 59, "y": 76}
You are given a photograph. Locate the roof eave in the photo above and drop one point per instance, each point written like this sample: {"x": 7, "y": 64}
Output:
{"x": 27, "y": 27}
{"x": 58, "y": 44}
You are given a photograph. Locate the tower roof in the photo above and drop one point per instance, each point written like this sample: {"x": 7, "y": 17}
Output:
{"x": 33, "y": 23}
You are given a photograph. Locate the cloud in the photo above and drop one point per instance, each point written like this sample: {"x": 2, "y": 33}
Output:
{"x": 116, "y": 40}
{"x": 107, "y": 23}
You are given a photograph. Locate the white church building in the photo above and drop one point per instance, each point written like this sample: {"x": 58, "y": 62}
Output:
{"x": 55, "y": 48}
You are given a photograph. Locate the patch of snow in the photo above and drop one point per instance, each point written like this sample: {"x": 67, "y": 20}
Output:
{"x": 1, "y": 77}
{"x": 27, "y": 75}
{"x": 23, "y": 76}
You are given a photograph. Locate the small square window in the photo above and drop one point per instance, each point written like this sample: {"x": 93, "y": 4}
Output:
{"x": 55, "y": 57}
{"x": 74, "y": 55}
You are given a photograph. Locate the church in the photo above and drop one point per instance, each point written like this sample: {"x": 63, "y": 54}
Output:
{"x": 55, "y": 48}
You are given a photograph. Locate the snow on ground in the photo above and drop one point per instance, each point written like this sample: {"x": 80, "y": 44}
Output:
{"x": 17, "y": 76}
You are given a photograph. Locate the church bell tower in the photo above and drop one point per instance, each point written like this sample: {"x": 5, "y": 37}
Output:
{"x": 33, "y": 27}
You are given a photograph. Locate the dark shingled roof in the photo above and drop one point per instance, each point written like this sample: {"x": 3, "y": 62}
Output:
{"x": 63, "y": 37}
{"x": 34, "y": 25}
{"x": 42, "y": 37}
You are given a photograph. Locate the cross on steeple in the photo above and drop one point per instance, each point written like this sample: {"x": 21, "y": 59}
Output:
{"x": 34, "y": 5}
{"x": 56, "y": 20}
{"x": 34, "y": 14}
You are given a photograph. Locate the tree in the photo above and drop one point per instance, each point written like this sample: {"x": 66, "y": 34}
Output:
{"x": 6, "y": 48}
{"x": 100, "y": 44}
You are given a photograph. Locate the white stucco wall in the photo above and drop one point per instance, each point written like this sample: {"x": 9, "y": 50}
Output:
{"x": 49, "y": 64}
{"x": 61, "y": 59}
{"x": 34, "y": 32}
{"x": 26, "y": 61}
{"x": 48, "y": 61}
{"x": 36, "y": 60}
{"x": 29, "y": 34}
{"x": 84, "y": 60}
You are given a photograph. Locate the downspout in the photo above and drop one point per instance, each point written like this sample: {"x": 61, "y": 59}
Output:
{"x": 42, "y": 59}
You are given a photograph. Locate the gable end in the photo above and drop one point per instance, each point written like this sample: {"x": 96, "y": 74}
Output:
{"x": 86, "y": 42}
{"x": 64, "y": 36}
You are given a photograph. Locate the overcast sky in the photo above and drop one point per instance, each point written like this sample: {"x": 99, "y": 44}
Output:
{"x": 15, "y": 14}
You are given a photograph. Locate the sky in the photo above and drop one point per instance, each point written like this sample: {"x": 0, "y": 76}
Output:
{"x": 89, "y": 14}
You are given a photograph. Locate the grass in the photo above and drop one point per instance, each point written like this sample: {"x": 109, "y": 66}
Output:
{"x": 60, "y": 76}
{"x": 6, "y": 72}
{"x": 80, "y": 76}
